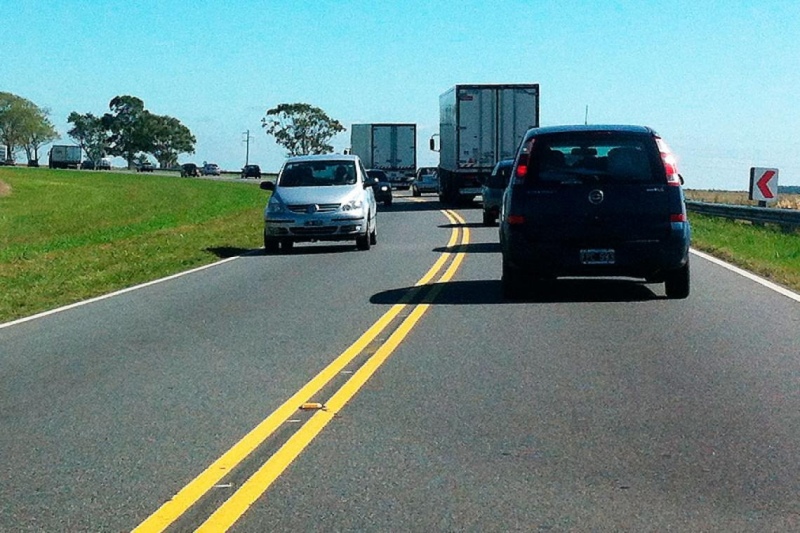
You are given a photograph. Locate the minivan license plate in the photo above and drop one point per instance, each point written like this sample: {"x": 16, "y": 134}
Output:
{"x": 597, "y": 257}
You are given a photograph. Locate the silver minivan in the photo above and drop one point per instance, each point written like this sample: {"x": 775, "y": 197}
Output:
{"x": 325, "y": 197}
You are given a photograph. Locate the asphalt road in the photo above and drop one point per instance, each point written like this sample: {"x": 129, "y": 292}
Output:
{"x": 601, "y": 407}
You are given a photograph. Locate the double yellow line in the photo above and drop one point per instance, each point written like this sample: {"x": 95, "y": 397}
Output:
{"x": 237, "y": 504}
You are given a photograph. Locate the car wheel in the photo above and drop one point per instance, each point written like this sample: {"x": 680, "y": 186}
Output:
{"x": 512, "y": 281}
{"x": 416, "y": 192}
{"x": 387, "y": 202}
{"x": 363, "y": 242}
{"x": 286, "y": 246}
{"x": 677, "y": 282}
{"x": 270, "y": 245}
{"x": 488, "y": 218}
{"x": 373, "y": 236}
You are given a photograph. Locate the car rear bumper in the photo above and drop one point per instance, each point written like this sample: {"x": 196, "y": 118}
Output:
{"x": 643, "y": 259}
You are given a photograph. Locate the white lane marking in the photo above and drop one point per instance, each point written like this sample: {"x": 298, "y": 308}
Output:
{"x": 749, "y": 275}
{"x": 112, "y": 294}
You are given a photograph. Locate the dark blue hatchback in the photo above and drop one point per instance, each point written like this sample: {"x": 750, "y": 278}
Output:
{"x": 594, "y": 201}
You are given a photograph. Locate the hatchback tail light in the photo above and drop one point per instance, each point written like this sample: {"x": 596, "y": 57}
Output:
{"x": 670, "y": 163}
{"x": 521, "y": 168}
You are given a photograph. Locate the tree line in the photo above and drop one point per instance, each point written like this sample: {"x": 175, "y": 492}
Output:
{"x": 132, "y": 132}
{"x": 128, "y": 130}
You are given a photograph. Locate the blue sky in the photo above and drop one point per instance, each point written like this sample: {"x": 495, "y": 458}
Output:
{"x": 719, "y": 80}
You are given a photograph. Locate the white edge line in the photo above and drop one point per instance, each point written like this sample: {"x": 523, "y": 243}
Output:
{"x": 770, "y": 285}
{"x": 113, "y": 294}
{"x": 749, "y": 275}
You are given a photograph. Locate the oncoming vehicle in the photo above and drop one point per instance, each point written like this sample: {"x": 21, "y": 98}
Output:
{"x": 104, "y": 163}
{"x": 594, "y": 201}
{"x": 426, "y": 180}
{"x": 251, "y": 171}
{"x": 381, "y": 186}
{"x": 492, "y": 191}
{"x": 211, "y": 169}
{"x": 190, "y": 170}
{"x": 320, "y": 198}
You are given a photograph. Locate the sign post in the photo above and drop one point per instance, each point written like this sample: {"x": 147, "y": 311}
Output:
{"x": 764, "y": 185}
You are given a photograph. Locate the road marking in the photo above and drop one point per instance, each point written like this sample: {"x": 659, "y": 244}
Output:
{"x": 252, "y": 489}
{"x": 173, "y": 509}
{"x": 766, "y": 283}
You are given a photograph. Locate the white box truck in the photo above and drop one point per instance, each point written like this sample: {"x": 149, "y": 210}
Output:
{"x": 480, "y": 125}
{"x": 65, "y": 156}
{"x": 388, "y": 147}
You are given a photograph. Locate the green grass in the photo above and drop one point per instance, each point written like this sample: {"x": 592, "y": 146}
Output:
{"x": 764, "y": 250}
{"x": 69, "y": 235}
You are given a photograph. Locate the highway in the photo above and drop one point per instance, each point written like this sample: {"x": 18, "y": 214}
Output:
{"x": 431, "y": 403}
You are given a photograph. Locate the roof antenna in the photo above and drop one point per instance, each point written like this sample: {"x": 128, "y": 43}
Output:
{"x": 586, "y": 116}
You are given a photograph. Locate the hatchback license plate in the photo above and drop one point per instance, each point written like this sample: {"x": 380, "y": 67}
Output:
{"x": 597, "y": 257}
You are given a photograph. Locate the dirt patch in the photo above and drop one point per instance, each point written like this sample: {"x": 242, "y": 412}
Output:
{"x": 5, "y": 189}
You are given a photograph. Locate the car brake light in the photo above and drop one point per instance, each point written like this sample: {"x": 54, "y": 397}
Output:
{"x": 680, "y": 217}
{"x": 521, "y": 171}
{"x": 670, "y": 163}
{"x": 516, "y": 220}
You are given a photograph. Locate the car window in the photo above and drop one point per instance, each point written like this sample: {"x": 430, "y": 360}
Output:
{"x": 318, "y": 174}
{"x": 606, "y": 157}
{"x": 499, "y": 177}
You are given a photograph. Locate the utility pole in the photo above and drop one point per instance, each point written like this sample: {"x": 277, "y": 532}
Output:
{"x": 247, "y": 142}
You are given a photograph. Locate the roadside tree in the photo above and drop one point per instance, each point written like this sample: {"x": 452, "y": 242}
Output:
{"x": 126, "y": 124}
{"x": 301, "y": 128}
{"x": 24, "y": 126}
{"x": 168, "y": 138}
{"x": 90, "y": 134}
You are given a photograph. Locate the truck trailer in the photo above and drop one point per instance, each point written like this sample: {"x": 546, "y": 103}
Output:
{"x": 65, "y": 156}
{"x": 480, "y": 125}
{"x": 388, "y": 147}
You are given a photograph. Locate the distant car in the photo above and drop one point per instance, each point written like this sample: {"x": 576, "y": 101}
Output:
{"x": 382, "y": 187}
{"x": 87, "y": 165}
{"x": 594, "y": 201}
{"x": 145, "y": 167}
{"x": 492, "y": 191}
{"x": 189, "y": 170}
{"x": 103, "y": 163}
{"x": 251, "y": 171}
{"x": 426, "y": 180}
{"x": 211, "y": 169}
{"x": 320, "y": 198}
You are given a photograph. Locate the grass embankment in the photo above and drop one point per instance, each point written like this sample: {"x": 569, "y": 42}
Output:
{"x": 764, "y": 250}
{"x": 68, "y": 235}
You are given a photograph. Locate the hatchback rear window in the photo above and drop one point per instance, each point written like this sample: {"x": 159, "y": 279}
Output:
{"x": 595, "y": 157}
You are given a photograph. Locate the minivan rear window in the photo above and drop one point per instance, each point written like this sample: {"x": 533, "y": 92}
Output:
{"x": 595, "y": 157}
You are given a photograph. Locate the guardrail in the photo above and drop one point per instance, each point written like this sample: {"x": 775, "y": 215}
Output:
{"x": 788, "y": 219}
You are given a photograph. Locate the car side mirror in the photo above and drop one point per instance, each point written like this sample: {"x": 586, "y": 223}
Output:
{"x": 267, "y": 186}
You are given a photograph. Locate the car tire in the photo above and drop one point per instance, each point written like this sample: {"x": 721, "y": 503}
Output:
{"x": 677, "y": 283}
{"x": 373, "y": 236}
{"x": 363, "y": 242}
{"x": 287, "y": 246}
{"x": 416, "y": 192}
{"x": 387, "y": 202}
{"x": 270, "y": 245}
{"x": 488, "y": 218}
{"x": 512, "y": 281}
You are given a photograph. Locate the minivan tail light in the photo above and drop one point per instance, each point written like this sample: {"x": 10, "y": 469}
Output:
{"x": 516, "y": 220}
{"x": 679, "y": 217}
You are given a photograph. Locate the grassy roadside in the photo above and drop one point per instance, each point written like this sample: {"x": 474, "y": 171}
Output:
{"x": 69, "y": 235}
{"x": 763, "y": 250}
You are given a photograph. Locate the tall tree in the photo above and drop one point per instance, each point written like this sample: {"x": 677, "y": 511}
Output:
{"x": 168, "y": 138}
{"x": 90, "y": 134}
{"x": 18, "y": 118}
{"x": 126, "y": 124}
{"x": 301, "y": 128}
{"x": 38, "y": 131}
